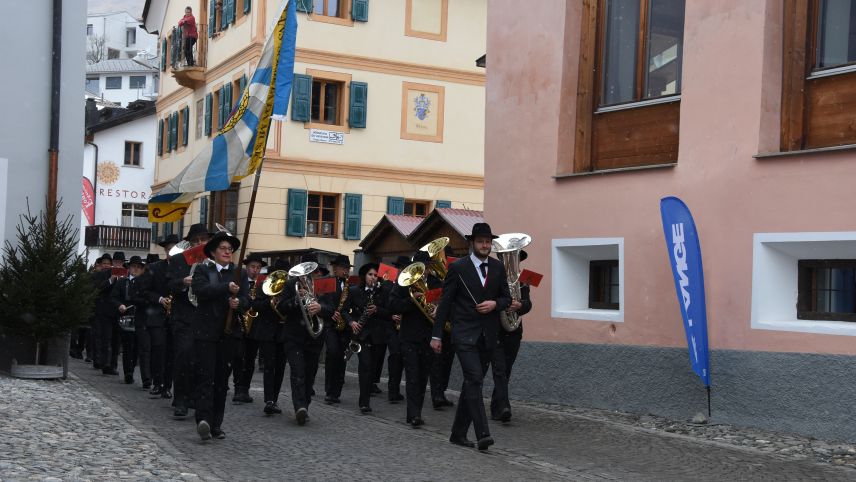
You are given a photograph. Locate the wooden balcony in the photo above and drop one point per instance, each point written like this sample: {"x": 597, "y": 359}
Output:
{"x": 192, "y": 76}
{"x": 101, "y": 236}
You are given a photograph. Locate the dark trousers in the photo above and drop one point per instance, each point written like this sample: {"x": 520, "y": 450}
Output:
{"x": 94, "y": 350}
{"x": 183, "y": 372}
{"x": 144, "y": 351}
{"x": 334, "y": 363}
{"x": 417, "y": 365}
{"x": 508, "y": 344}
{"x": 79, "y": 338}
{"x": 129, "y": 352}
{"x": 474, "y": 360}
{"x": 108, "y": 354}
{"x": 274, "y": 370}
{"x": 366, "y": 372}
{"x": 211, "y": 359}
{"x": 236, "y": 364}
{"x": 188, "y": 50}
{"x": 394, "y": 364}
{"x": 161, "y": 363}
{"x": 296, "y": 356}
{"x": 311, "y": 358}
{"x": 248, "y": 365}
{"x": 442, "y": 369}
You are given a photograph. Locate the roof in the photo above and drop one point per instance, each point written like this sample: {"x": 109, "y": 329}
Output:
{"x": 111, "y": 117}
{"x": 460, "y": 220}
{"x": 402, "y": 223}
{"x": 119, "y": 66}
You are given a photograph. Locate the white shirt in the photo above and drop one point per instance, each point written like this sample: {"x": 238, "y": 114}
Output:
{"x": 220, "y": 268}
{"x": 477, "y": 262}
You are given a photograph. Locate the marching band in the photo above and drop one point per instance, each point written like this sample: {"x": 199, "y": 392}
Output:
{"x": 190, "y": 321}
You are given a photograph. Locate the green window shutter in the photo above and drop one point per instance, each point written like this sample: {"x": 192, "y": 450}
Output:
{"x": 233, "y": 7}
{"x": 243, "y": 85}
{"x": 203, "y": 210}
{"x": 224, "y": 14}
{"x": 443, "y": 204}
{"x": 301, "y": 97}
{"x": 353, "y": 215}
{"x": 212, "y": 18}
{"x": 227, "y": 102}
{"x": 160, "y": 137}
{"x": 208, "y": 105}
{"x": 295, "y": 224}
{"x": 169, "y": 129}
{"x": 220, "y": 99}
{"x": 359, "y": 98}
{"x": 247, "y": 5}
{"x": 163, "y": 55}
{"x": 304, "y": 6}
{"x": 174, "y": 130}
{"x": 394, "y": 205}
{"x": 155, "y": 233}
{"x": 360, "y": 10}
{"x": 186, "y": 127}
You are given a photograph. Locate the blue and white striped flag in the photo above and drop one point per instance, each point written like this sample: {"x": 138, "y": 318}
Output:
{"x": 237, "y": 150}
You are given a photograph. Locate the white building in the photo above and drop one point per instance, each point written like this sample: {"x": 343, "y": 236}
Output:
{"x": 122, "y": 141}
{"x": 117, "y": 35}
{"x": 123, "y": 80}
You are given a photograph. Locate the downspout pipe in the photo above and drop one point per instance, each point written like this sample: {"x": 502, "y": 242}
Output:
{"x": 94, "y": 183}
{"x": 56, "y": 64}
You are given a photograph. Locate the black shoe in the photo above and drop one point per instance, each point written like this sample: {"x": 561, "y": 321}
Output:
{"x": 241, "y": 397}
{"x": 375, "y": 389}
{"x": 448, "y": 403}
{"x": 331, "y": 400}
{"x": 438, "y": 404}
{"x": 204, "y": 430}
{"x": 109, "y": 371}
{"x": 87, "y": 359}
{"x": 217, "y": 433}
{"x": 505, "y": 415}
{"x": 485, "y": 442}
{"x": 366, "y": 409}
{"x": 276, "y": 408}
{"x": 147, "y": 385}
{"x": 269, "y": 410}
{"x": 96, "y": 366}
{"x": 129, "y": 379}
{"x": 180, "y": 411}
{"x": 166, "y": 394}
{"x": 77, "y": 356}
{"x": 395, "y": 397}
{"x": 463, "y": 442}
{"x": 302, "y": 415}
{"x": 156, "y": 391}
{"x": 416, "y": 422}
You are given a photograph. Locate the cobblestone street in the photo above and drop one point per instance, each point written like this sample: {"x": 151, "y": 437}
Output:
{"x": 94, "y": 427}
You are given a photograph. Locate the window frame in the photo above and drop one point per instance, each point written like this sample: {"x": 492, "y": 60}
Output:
{"x": 107, "y": 82}
{"x": 414, "y": 203}
{"x": 805, "y": 300}
{"x": 130, "y": 32}
{"x": 218, "y": 205}
{"x": 134, "y": 209}
{"x": 344, "y": 17}
{"x": 132, "y": 77}
{"x": 138, "y": 159}
{"x": 343, "y": 114}
{"x": 320, "y": 220}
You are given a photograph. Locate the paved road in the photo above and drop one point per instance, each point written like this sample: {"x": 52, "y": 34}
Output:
{"x": 340, "y": 442}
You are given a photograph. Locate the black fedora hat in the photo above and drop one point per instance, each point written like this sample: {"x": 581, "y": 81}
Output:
{"x": 401, "y": 262}
{"x": 481, "y": 230}
{"x": 135, "y": 260}
{"x": 341, "y": 260}
{"x": 523, "y": 255}
{"x": 366, "y": 268}
{"x": 195, "y": 230}
{"x": 212, "y": 244}
{"x": 152, "y": 258}
{"x": 280, "y": 264}
{"x": 255, "y": 258}
{"x": 119, "y": 256}
{"x": 105, "y": 256}
{"x": 421, "y": 257}
{"x": 309, "y": 258}
{"x": 324, "y": 271}
{"x": 170, "y": 239}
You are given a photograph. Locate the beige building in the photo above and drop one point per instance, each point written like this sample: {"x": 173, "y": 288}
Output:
{"x": 386, "y": 116}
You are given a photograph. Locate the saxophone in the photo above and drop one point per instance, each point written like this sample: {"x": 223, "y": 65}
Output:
{"x": 340, "y": 325}
{"x": 354, "y": 346}
{"x": 251, "y": 314}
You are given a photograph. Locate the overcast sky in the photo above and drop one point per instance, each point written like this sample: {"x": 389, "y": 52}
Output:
{"x": 134, "y": 7}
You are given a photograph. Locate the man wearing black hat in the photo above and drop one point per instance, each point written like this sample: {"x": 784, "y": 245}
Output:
{"x": 157, "y": 321}
{"x": 181, "y": 317}
{"x": 337, "y": 309}
{"x": 244, "y": 364}
{"x": 505, "y": 354}
{"x": 313, "y": 347}
{"x": 217, "y": 294}
{"x": 103, "y": 280}
{"x": 130, "y": 299}
{"x": 474, "y": 292}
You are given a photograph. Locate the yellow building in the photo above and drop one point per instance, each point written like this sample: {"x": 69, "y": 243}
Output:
{"x": 386, "y": 116}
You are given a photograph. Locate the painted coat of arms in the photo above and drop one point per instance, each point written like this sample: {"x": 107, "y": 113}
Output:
{"x": 422, "y": 106}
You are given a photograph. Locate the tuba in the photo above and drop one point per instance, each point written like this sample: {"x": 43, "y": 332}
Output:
{"x": 303, "y": 273}
{"x": 413, "y": 278}
{"x": 436, "y": 249}
{"x": 507, "y": 247}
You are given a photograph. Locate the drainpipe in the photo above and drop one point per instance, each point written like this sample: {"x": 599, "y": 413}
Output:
{"x": 94, "y": 184}
{"x": 56, "y": 63}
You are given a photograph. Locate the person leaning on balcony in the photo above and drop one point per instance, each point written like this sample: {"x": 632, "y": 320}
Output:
{"x": 189, "y": 34}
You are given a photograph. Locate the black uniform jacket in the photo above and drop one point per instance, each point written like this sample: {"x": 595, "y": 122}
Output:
{"x": 133, "y": 292}
{"x": 158, "y": 288}
{"x": 415, "y": 326}
{"x": 374, "y": 325}
{"x": 462, "y": 289}
{"x": 182, "y": 310}
{"x": 330, "y": 302}
{"x": 104, "y": 306}
{"x": 212, "y": 292}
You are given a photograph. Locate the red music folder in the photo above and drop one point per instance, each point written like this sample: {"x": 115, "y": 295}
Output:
{"x": 387, "y": 272}
{"x": 530, "y": 278}
{"x": 260, "y": 279}
{"x": 323, "y": 286}
{"x": 119, "y": 271}
{"x": 433, "y": 296}
{"x": 354, "y": 279}
{"x": 195, "y": 254}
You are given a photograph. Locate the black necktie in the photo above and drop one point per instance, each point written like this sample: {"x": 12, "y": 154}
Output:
{"x": 483, "y": 268}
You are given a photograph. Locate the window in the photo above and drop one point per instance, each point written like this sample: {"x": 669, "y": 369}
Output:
{"x": 135, "y": 215}
{"x": 416, "y": 208}
{"x": 327, "y": 101}
{"x": 92, "y": 85}
{"x": 90, "y": 30}
{"x": 200, "y": 113}
{"x": 112, "y": 53}
{"x": 114, "y": 82}
{"x": 629, "y": 85}
{"x": 138, "y": 81}
{"x": 217, "y": 114}
{"x": 130, "y": 37}
{"x": 132, "y": 153}
{"x": 827, "y": 290}
{"x": 819, "y": 74}
{"x": 322, "y": 210}
{"x": 225, "y": 208}
{"x": 329, "y": 8}
{"x": 603, "y": 284}
{"x": 182, "y": 121}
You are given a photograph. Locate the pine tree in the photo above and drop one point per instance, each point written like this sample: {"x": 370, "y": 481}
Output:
{"x": 45, "y": 289}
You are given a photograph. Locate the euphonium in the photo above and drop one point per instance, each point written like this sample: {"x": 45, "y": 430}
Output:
{"x": 273, "y": 286}
{"x": 507, "y": 247}
{"x": 413, "y": 278}
{"x": 250, "y": 314}
{"x": 303, "y": 273}
{"x": 436, "y": 249}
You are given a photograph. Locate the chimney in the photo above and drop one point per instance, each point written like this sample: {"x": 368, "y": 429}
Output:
{"x": 91, "y": 116}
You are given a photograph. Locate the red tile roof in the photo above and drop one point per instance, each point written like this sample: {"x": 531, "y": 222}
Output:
{"x": 403, "y": 224}
{"x": 461, "y": 220}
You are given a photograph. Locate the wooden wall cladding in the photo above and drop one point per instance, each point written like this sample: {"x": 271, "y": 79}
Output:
{"x": 831, "y": 111}
{"x": 639, "y": 136}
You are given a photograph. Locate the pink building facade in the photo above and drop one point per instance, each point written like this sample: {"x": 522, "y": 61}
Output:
{"x": 746, "y": 110}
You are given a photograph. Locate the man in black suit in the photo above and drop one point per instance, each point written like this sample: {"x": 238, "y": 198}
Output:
{"x": 217, "y": 293}
{"x": 130, "y": 297}
{"x": 157, "y": 323}
{"x": 388, "y": 339}
{"x": 474, "y": 293}
{"x": 313, "y": 347}
{"x": 243, "y": 368}
{"x": 182, "y": 314}
{"x": 102, "y": 280}
{"x": 336, "y": 308}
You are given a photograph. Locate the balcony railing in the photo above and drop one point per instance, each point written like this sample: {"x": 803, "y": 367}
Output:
{"x": 177, "y": 58}
{"x": 118, "y": 237}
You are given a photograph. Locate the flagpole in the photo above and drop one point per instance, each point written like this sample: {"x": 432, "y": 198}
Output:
{"x": 238, "y": 263}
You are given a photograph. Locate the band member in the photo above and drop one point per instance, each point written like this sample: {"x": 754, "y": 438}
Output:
{"x": 243, "y": 369}
{"x": 371, "y": 311}
{"x": 269, "y": 333}
{"x": 216, "y": 293}
{"x": 102, "y": 281}
{"x": 157, "y": 323}
{"x": 336, "y": 307}
{"x": 105, "y": 311}
{"x": 314, "y": 346}
{"x": 415, "y": 335}
{"x": 474, "y": 292}
{"x": 181, "y": 317}
{"x": 129, "y": 297}
{"x": 506, "y": 352}
{"x": 387, "y": 340}
{"x": 441, "y": 368}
